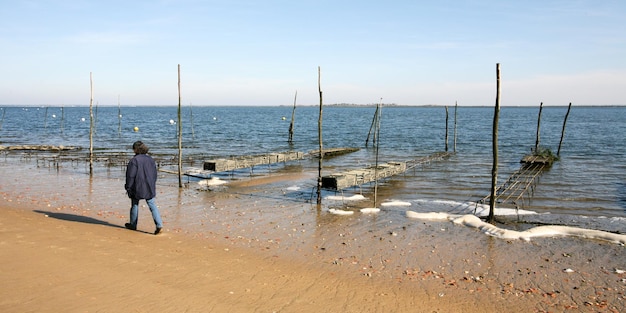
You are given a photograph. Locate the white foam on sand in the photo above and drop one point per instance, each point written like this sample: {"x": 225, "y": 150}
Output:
{"x": 213, "y": 181}
{"x": 539, "y": 231}
{"x": 342, "y": 198}
{"x": 468, "y": 207}
{"x": 483, "y": 210}
{"x": 370, "y": 210}
{"x": 340, "y": 212}
{"x": 293, "y": 188}
{"x": 198, "y": 172}
{"x": 434, "y": 216}
{"x": 194, "y": 170}
{"x": 396, "y": 203}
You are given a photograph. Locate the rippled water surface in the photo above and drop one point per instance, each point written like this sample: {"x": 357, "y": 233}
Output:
{"x": 589, "y": 179}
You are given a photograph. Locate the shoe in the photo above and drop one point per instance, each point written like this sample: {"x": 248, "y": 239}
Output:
{"x": 130, "y": 226}
{"x": 157, "y": 231}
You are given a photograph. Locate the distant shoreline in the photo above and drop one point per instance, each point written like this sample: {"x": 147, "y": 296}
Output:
{"x": 337, "y": 105}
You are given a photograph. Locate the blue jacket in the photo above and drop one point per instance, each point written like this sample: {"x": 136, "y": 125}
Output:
{"x": 141, "y": 176}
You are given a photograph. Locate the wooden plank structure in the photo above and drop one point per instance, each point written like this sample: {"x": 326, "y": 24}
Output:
{"x": 332, "y": 152}
{"x": 537, "y": 159}
{"x": 520, "y": 186}
{"x": 358, "y": 177}
{"x": 351, "y": 178}
{"x": 235, "y": 163}
{"x": 437, "y": 156}
{"x": 239, "y": 162}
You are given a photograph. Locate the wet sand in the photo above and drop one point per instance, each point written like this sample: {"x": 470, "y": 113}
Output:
{"x": 257, "y": 245}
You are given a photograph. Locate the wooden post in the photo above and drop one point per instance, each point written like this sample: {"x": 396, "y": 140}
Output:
{"x": 180, "y": 137}
{"x": 91, "y": 125}
{"x": 455, "y": 107}
{"x": 494, "y": 169}
{"x": 293, "y": 117}
{"x": 45, "y": 119}
{"x": 372, "y": 127}
{"x": 558, "y": 153}
{"x": 319, "y": 134}
{"x": 378, "y": 117}
{"x": 446, "y": 128}
{"x": 538, "y": 126}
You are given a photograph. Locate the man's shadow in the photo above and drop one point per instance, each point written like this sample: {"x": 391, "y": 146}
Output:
{"x": 79, "y": 219}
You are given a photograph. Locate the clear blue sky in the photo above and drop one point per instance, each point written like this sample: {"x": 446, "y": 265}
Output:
{"x": 261, "y": 52}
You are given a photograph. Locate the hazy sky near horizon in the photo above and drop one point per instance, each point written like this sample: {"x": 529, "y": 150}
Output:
{"x": 261, "y": 52}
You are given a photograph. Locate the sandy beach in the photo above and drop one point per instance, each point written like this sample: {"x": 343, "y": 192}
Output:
{"x": 64, "y": 248}
{"x": 66, "y": 263}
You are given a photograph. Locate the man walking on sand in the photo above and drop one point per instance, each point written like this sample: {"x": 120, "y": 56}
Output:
{"x": 141, "y": 176}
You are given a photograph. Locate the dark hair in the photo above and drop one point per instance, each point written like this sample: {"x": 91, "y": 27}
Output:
{"x": 140, "y": 147}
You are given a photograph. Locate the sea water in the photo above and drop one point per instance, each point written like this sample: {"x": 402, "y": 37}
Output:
{"x": 588, "y": 180}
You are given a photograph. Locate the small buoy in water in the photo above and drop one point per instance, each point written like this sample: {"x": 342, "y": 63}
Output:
{"x": 54, "y": 115}
{"x": 82, "y": 119}
{"x": 284, "y": 118}
{"x": 214, "y": 118}
{"x": 172, "y": 122}
{"x": 136, "y": 129}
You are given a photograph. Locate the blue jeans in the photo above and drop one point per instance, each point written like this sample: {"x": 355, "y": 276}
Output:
{"x": 134, "y": 212}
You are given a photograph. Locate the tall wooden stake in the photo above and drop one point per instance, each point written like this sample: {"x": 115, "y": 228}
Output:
{"x": 455, "y": 107}
{"x": 378, "y": 117}
{"x": 319, "y": 134}
{"x": 91, "y": 122}
{"x": 180, "y": 136}
{"x": 494, "y": 169}
{"x": 372, "y": 127}
{"x": 538, "y": 127}
{"x": 446, "y": 128}
{"x": 293, "y": 117}
{"x": 558, "y": 153}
